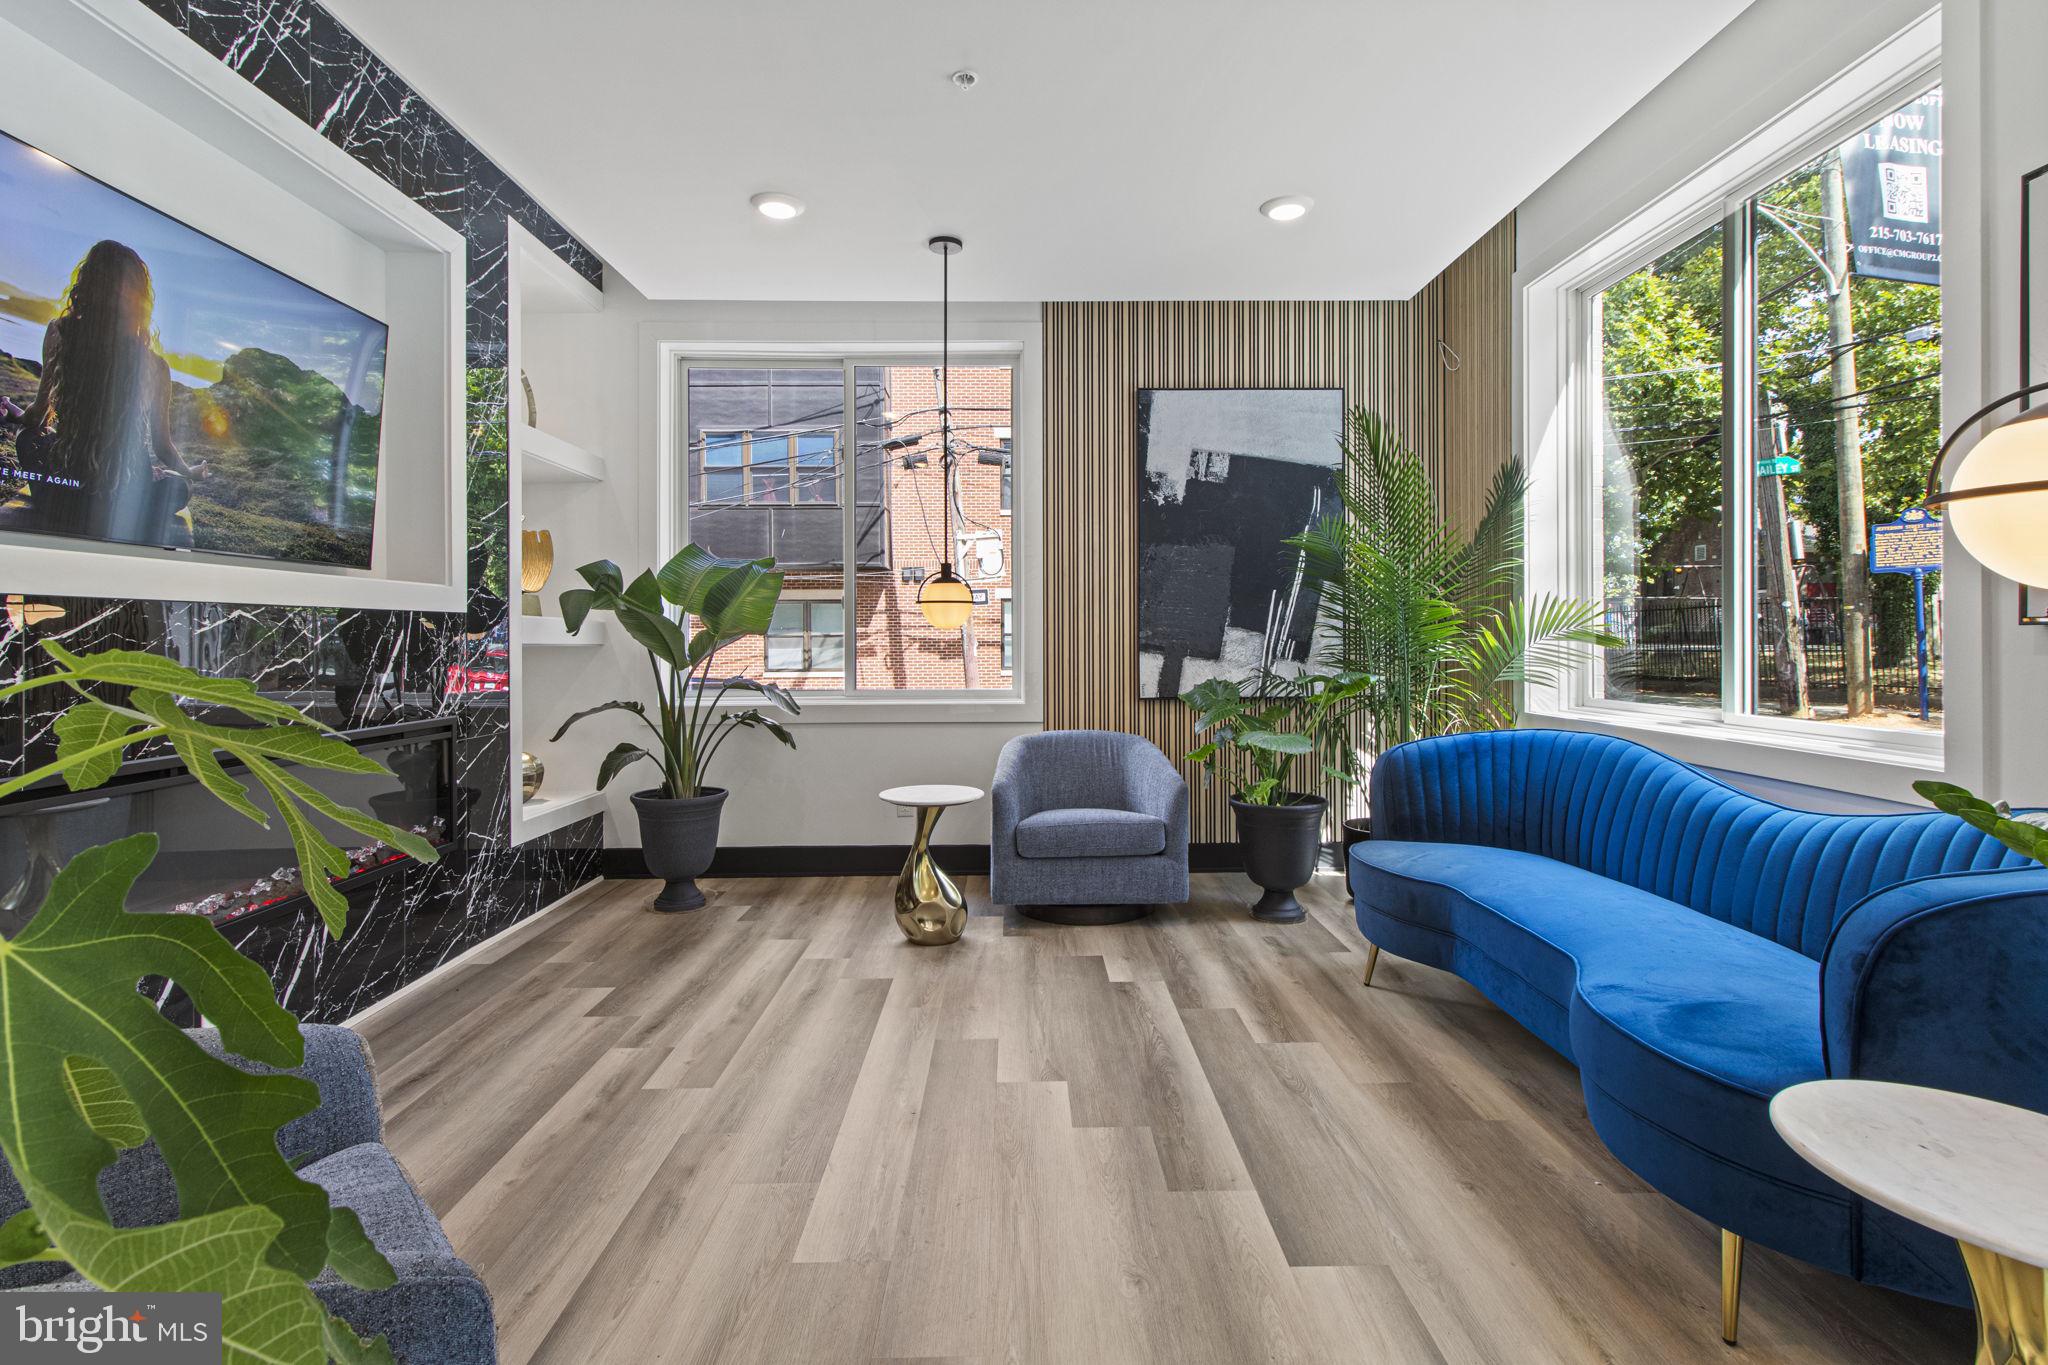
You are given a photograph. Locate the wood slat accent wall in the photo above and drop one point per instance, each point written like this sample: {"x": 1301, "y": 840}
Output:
{"x": 1383, "y": 354}
{"x": 1467, "y": 420}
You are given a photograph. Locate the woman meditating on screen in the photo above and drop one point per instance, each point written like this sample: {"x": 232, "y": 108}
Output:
{"x": 96, "y": 442}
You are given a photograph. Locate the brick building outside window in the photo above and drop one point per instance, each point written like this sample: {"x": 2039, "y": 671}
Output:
{"x": 767, "y": 476}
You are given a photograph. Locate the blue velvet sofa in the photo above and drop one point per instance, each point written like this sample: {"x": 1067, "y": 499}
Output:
{"x": 1694, "y": 950}
{"x": 439, "y": 1312}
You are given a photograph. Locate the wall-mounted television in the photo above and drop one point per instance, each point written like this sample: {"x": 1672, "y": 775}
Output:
{"x": 160, "y": 388}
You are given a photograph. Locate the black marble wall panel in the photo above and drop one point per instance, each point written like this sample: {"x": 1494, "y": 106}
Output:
{"x": 351, "y": 667}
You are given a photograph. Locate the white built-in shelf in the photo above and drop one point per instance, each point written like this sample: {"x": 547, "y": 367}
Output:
{"x": 550, "y": 630}
{"x": 549, "y": 284}
{"x": 552, "y": 810}
{"x": 550, "y": 459}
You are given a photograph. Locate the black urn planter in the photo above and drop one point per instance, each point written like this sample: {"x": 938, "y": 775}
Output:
{"x": 1357, "y": 830}
{"x": 1281, "y": 845}
{"x": 678, "y": 837}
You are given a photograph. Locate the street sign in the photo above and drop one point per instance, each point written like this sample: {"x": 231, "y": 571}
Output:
{"x": 1912, "y": 544}
{"x": 1776, "y": 466}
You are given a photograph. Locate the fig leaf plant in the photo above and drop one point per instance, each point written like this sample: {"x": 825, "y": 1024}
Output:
{"x": 2025, "y": 833}
{"x": 92, "y": 1068}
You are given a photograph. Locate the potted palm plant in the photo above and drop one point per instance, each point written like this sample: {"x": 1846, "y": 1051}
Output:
{"x": 1254, "y": 741}
{"x": 1432, "y": 616}
{"x": 721, "y": 601}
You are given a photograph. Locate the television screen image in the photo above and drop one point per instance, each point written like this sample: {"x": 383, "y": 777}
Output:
{"x": 160, "y": 388}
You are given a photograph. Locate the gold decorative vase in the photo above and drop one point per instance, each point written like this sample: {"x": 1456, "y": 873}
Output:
{"x": 532, "y": 772}
{"x": 536, "y": 562}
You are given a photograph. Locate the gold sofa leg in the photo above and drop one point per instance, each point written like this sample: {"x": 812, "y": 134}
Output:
{"x": 1372, "y": 960}
{"x": 1731, "y": 1283}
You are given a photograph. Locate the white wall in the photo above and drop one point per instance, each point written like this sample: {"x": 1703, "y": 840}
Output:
{"x": 824, "y": 793}
{"x": 1996, "y": 127}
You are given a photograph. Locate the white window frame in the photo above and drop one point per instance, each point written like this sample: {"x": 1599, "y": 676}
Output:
{"x": 1017, "y": 702}
{"x": 1557, "y": 411}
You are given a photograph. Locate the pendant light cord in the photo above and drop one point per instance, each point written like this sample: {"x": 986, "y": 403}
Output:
{"x": 946, "y": 405}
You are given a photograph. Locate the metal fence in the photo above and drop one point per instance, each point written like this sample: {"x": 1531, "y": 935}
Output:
{"x": 1674, "y": 649}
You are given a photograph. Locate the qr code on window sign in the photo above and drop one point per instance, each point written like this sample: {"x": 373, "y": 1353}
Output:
{"x": 1905, "y": 192}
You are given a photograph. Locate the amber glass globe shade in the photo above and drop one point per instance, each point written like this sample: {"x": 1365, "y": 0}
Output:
{"x": 945, "y": 601}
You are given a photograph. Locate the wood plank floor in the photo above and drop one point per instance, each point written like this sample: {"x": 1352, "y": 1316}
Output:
{"x": 774, "y": 1131}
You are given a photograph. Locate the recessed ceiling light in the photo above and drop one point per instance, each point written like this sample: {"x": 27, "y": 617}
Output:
{"x": 1287, "y": 207}
{"x": 777, "y": 206}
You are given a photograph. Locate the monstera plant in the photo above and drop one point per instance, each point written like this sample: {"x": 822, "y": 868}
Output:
{"x": 91, "y": 1067}
{"x": 721, "y": 601}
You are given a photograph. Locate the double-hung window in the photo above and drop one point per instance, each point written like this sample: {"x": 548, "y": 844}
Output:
{"x": 767, "y": 467}
{"x": 807, "y": 634}
{"x": 1758, "y": 400}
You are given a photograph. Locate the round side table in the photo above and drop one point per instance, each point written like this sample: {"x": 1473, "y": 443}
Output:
{"x": 929, "y": 907}
{"x": 1972, "y": 1168}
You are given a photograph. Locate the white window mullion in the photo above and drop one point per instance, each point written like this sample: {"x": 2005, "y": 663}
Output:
{"x": 849, "y": 524}
{"x": 1738, "y": 461}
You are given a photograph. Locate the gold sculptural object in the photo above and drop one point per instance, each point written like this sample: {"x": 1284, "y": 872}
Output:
{"x": 2012, "y": 1308}
{"x": 536, "y": 562}
{"x": 929, "y": 908}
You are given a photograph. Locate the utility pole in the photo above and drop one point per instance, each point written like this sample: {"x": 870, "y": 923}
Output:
{"x": 1782, "y": 619}
{"x": 1854, "y": 572}
{"x": 970, "y": 647}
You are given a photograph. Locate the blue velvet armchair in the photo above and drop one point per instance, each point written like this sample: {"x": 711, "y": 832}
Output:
{"x": 439, "y": 1312}
{"x": 1087, "y": 820}
{"x": 1694, "y": 950}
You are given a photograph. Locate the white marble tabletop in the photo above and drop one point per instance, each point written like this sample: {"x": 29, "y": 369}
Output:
{"x": 1972, "y": 1168}
{"x": 934, "y": 794}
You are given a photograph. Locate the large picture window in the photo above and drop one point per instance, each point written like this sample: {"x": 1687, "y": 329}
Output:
{"x": 766, "y": 475}
{"x": 1768, "y": 397}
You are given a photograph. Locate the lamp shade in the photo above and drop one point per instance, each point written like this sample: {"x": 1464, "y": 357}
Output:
{"x": 945, "y": 601}
{"x": 2005, "y": 532}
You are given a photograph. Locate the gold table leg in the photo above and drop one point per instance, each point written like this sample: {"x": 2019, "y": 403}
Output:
{"x": 929, "y": 907}
{"x": 1731, "y": 1284}
{"x": 2012, "y": 1326}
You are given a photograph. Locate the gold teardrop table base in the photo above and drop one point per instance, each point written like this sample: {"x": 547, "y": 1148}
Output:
{"x": 929, "y": 908}
{"x": 2012, "y": 1324}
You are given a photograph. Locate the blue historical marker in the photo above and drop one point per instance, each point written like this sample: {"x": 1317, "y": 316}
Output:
{"x": 1911, "y": 545}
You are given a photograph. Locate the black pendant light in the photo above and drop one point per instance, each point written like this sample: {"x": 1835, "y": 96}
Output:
{"x": 944, "y": 598}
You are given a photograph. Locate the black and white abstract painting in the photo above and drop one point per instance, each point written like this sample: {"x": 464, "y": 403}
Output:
{"x": 1225, "y": 476}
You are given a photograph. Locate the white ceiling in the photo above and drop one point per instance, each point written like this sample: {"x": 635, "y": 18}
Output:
{"x": 1114, "y": 149}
